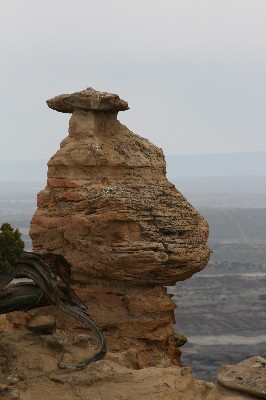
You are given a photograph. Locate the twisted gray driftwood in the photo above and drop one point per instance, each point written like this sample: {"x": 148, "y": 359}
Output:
{"x": 51, "y": 274}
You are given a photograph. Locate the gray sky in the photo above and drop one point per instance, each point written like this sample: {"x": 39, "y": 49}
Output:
{"x": 193, "y": 71}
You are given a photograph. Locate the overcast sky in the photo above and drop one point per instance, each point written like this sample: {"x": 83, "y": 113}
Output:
{"x": 192, "y": 71}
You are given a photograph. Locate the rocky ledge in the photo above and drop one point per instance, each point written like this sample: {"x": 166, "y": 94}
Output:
{"x": 246, "y": 380}
{"x": 28, "y": 368}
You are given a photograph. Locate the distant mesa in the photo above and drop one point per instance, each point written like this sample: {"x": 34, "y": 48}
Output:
{"x": 88, "y": 99}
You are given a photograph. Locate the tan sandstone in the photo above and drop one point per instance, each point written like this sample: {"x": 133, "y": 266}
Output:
{"x": 109, "y": 209}
{"x": 246, "y": 380}
{"x": 28, "y": 371}
{"x": 249, "y": 376}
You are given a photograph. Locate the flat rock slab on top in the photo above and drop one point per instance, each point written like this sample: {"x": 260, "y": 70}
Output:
{"x": 88, "y": 99}
{"x": 248, "y": 376}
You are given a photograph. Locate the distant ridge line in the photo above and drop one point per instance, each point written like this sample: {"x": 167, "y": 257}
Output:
{"x": 207, "y": 165}
{"x": 178, "y": 166}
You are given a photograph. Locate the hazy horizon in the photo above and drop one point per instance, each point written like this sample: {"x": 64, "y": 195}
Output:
{"x": 193, "y": 72}
{"x": 179, "y": 166}
{"x": 166, "y": 154}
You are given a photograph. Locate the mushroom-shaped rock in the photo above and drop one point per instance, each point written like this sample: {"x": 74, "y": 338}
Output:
{"x": 109, "y": 209}
{"x": 88, "y": 99}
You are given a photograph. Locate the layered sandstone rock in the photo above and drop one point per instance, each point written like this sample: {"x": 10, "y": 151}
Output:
{"x": 109, "y": 209}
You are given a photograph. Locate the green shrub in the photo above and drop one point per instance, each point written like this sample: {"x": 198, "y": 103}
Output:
{"x": 11, "y": 247}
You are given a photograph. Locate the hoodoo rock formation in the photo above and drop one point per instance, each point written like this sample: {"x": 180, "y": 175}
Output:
{"x": 108, "y": 206}
{"x": 109, "y": 209}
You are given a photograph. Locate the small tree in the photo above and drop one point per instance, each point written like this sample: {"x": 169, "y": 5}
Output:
{"x": 11, "y": 247}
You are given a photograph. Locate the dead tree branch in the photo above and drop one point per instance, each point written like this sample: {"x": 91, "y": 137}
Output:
{"x": 51, "y": 275}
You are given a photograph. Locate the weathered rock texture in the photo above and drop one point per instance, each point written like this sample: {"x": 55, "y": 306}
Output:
{"x": 88, "y": 99}
{"x": 28, "y": 369}
{"x": 249, "y": 376}
{"x": 246, "y": 380}
{"x": 110, "y": 211}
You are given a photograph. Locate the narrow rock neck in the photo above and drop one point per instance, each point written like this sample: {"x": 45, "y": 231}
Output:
{"x": 92, "y": 123}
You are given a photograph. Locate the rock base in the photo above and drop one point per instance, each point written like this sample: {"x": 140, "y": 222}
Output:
{"x": 29, "y": 371}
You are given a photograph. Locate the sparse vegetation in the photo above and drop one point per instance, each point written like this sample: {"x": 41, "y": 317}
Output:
{"x": 11, "y": 247}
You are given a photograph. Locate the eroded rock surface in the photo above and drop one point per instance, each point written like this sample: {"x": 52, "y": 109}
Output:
{"x": 243, "y": 381}
{"x": 249, "y": 376}
{"x": 220, "y": 392}
{"x": 110, "y": 211}
{"x": 43, "y": 324}
{"x": 88, "y": 99}
{"x": 29, "y": 371}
